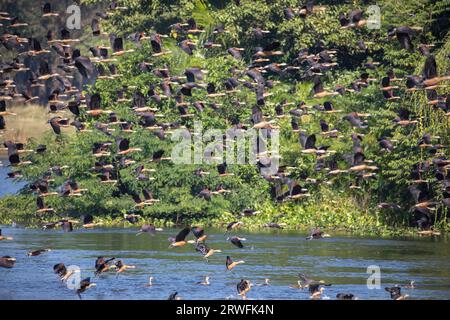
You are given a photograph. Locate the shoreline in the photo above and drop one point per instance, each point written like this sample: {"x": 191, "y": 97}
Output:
{"x": 249, "y": 226}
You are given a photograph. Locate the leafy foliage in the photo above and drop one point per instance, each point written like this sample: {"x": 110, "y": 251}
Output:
{"x": 333, "y": 204}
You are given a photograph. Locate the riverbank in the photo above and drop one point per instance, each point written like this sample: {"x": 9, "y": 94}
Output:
{"x": 19, "y": 209}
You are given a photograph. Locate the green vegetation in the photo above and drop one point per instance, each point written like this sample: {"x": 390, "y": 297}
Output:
{"x": 331, "y": 205}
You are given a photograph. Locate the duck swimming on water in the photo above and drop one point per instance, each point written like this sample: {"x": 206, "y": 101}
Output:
{"x": 150, "y": 282}
{"x": 265, "y": 283}
{"x": 180, "y": 239}
{"x": 37, "y": 252}
{"x": 7, "y": 262}
{"x": 102, "y": 265}
{"x": 395, "y": 293}
{"x": 316, "y": 233}
{"x": 345, "y": 296}
{"x": 205, "y": 282}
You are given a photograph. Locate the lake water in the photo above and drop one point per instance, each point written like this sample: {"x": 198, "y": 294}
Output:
{"x": 277, "y": 255}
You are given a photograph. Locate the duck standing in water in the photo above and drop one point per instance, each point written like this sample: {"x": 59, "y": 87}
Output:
{"x": 7, "y": 262}
{"x": 243, "y": 287}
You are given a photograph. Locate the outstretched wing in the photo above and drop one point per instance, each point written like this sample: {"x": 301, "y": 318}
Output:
{"x": 182, "y": 234}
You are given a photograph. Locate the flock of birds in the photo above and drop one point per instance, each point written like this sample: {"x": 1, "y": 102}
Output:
{"x": 37, "y": 76}
{"x": 104, "y": 265}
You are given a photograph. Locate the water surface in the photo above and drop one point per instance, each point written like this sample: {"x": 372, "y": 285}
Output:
{"x": 277, "y": 255}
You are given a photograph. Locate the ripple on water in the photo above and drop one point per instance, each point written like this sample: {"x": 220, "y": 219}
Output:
{"x": 342, "y": 260}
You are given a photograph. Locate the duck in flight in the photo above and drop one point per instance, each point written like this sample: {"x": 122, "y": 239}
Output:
{"x": 233, "y": 225}
{"x": 103, "y": 265}
{"x": 148, "y": 228}
{"x": 236, "y": 241}
{"x": 180, "y": 239}
{"x": 61, "y": 270}
{"x": 121, "y": 267}
{"x": 205, "y": 250}
{"x": 84, "y": 285}
{"x": 230, "y": 264}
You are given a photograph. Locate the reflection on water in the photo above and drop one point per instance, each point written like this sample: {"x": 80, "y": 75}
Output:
{"x": 280, "y": 256}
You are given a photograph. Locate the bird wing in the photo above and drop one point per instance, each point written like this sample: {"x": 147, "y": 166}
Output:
{"x": 310, "y": 142}
{"x": 182, "y": 234}
{"x": 198, "y": 232}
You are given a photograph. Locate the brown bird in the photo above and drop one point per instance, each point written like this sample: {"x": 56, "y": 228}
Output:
{"x": 84, "y": 285}
{"x": 230, "y": 264}
{"x": 395, "y": 293}
{"x": 42, "y": 208}
{"x": 38, "y": 252}
{"x": 121, "y": 267}
{"x": 243, "y": 287}
{"x": 180, "y": 239}
{"x": 7, "y": 262}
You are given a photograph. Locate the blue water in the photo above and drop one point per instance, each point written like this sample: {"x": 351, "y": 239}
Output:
{"x": 279, "y": 256}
